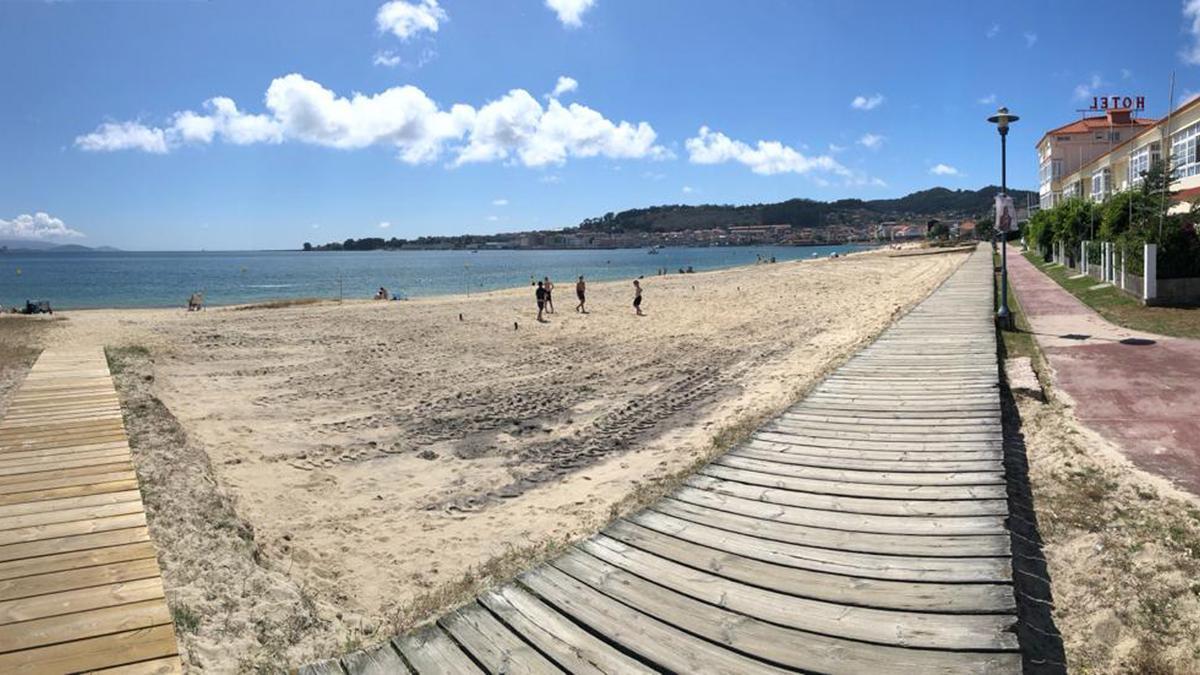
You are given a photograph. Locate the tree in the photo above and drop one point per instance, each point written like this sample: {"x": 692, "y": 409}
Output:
{"x": 307, "y": 246}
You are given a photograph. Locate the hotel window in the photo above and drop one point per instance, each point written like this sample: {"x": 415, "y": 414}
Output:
{"x": 1140, "y": 161}
{"x": 1101, "y": 181}
{"x": 1183, "y": 152}
{"x": 1050, "y": 170}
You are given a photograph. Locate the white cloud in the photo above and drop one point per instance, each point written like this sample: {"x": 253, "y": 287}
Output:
{"x": 1031, "y": 38}
{"x": 37, "y": 226}
{"x": 943, "y": 170}
{"x": 564, "y": 85}
{"x": 386, "y": 58}
{"x": 570, "y": 12}
{"x": 384, "y": 225}
{"x": 500, "y": 202}
{"x": 835, "y": 148}
{"x": 990, "y": 99}
{"x": 405, "y": 19}
{"x": 1087, "y": 89}
{"x": 993, "y": 31}
{"x": 867, "y": 102}
{"x": 517, "y": 125}
{"x": 124, "y": 136}
{"x": 1191, "y": 15}
{"x": 514, "y": 127}
{"x": 1126, "y": 73}
{"x": 765, "y": 158}
{"x": 688, "y": 189}
{"x": 492, "y": 219}
{"x": 550, "y": 178}
{"x": 871, "y": 141}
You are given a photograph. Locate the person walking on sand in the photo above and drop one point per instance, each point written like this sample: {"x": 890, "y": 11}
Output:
{"x": 541, "y": 301}
{"x": 581, "y": 293}
{"x": 549, "y": 285}
{"x": 637, "y": 297}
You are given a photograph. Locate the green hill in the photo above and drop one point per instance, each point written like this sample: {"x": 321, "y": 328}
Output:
{"x": 934, "y": 202}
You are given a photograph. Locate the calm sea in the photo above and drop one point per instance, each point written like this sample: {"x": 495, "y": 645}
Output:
{"x": 165, "y": 279}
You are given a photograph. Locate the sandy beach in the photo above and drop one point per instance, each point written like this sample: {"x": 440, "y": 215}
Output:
{"x": 318, "y": 476}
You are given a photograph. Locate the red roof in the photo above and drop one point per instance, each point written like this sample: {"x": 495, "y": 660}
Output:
{"x": 1185, "y": 195}
{"x": 1089, "y": 123}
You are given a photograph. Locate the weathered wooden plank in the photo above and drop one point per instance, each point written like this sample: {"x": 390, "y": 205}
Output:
{"x": 711, "y": 479}
{"x": 857, "y": 477}
{"x": 492, "y": 644}
{"x": 431, "y": 651}
{"x": 848, "y": 563}
{"x": 909, "y": 462}
{"x": 778, "y": 644}
{"x": 888, "y": 627}
{"x": 46, "y": 547}
{"x": 654, "y": 640}
{"x": 378, "y": 660}
{"x": 571, "y": 647}
{"x": 863, "y": 592}
{"x": 164, "y": 666}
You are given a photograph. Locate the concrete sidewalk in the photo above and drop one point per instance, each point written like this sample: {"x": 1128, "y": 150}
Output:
{"x": 1139, "y": 390}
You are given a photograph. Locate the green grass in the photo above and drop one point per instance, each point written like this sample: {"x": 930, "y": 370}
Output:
{"x": 1120, "y": 308}
{"x": 1018, "y": 342}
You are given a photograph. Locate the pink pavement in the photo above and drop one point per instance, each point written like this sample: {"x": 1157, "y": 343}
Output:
{"x": 1144, "y": 398}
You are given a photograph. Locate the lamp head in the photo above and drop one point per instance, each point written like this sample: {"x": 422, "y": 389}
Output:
{"x": 1002, "y": 119}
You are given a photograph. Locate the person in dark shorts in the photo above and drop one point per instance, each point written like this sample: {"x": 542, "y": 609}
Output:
{"x": 541, "y": 301}
{"x": 637, "y": 297}
{"x": 549, "y": 285}
{"x": 581, "y": 293}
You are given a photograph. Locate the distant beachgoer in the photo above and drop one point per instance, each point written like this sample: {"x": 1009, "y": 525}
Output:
{"x": 549, "y": 286}
{"x": 381, "y": 294}
{"x": 581, "y": 293}
{"x": 637, "y": 297}
{"x": 541, "y": 300}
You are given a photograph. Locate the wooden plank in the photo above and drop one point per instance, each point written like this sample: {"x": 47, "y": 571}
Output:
{"x": 164, "y": 666}
{"x": 848, "y": 563}
{"x": 66, "y": 503}
{"x": 711, "y": 479}
{"x": 882, "y": 593}
{"x": 858, "y": 477}
{"x": 492, "y": 644}
{"x": 80, "y": 600}
{"x": 619, "y": 565}
{"x": 378, "y": 660}
{"x": 785, "y": 646}
{"x": 431, "y": 651}
{"x": 871, "y": 490}
{"x": 128, "y": 482}
{"x": 109, "y": 474}
{"x": 993, "y": 544}
{"x": 118, "y": 508}
{"x": 909, "y": 462}
{"x": 326, "y": 667}
{"x": 571, "y": 647}
{"x": 91, "y": 623}
{"x": 11, "y": 541}
{"x": 656, "y": 641}
{"x": 104, "y": 554}
{"x": 97, "y": 575}
{"x": 113, "y": 650}
{"x": 46, "y": 547}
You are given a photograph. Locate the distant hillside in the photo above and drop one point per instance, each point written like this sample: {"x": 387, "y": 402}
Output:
{"x": 929, "y": 203}
{"x": 15, "y": 245}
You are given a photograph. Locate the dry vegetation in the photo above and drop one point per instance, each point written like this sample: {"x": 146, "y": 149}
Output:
{"x": 21, "y": 340}
{"x": 1122, "y": 550}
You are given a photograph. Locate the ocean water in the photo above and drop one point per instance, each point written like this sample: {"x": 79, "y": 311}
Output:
{"x": 77, "y": 280}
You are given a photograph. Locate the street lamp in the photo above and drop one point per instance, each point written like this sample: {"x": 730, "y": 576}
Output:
{"x": 1002, "y": 119}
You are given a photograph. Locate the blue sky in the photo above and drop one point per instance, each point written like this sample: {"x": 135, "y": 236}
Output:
{"x": 231, "y": 124}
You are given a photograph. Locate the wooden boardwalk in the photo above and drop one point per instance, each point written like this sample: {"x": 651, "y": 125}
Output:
{"x": 80, "y": 588}
{"x": 862, "y": 531}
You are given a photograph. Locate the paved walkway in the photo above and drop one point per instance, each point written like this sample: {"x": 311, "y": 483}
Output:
{"x": 1139, "y": 390}
{"x": 80, "y": 588}
{"x": 862, "y": 531}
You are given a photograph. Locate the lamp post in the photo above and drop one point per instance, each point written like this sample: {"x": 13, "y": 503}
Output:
{"x": 1002, "y": 119}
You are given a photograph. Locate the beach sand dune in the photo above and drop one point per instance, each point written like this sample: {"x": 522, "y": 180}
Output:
{"x": 379, "y": 451}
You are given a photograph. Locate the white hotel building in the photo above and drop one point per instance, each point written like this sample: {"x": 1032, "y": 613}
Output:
{"x": 1097, "y": 156}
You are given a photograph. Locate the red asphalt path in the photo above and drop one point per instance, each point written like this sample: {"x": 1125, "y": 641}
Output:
{"x": 1144, "y": 398}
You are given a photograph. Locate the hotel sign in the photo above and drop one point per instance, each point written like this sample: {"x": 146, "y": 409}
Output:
{"x": 1119, "y": 102}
